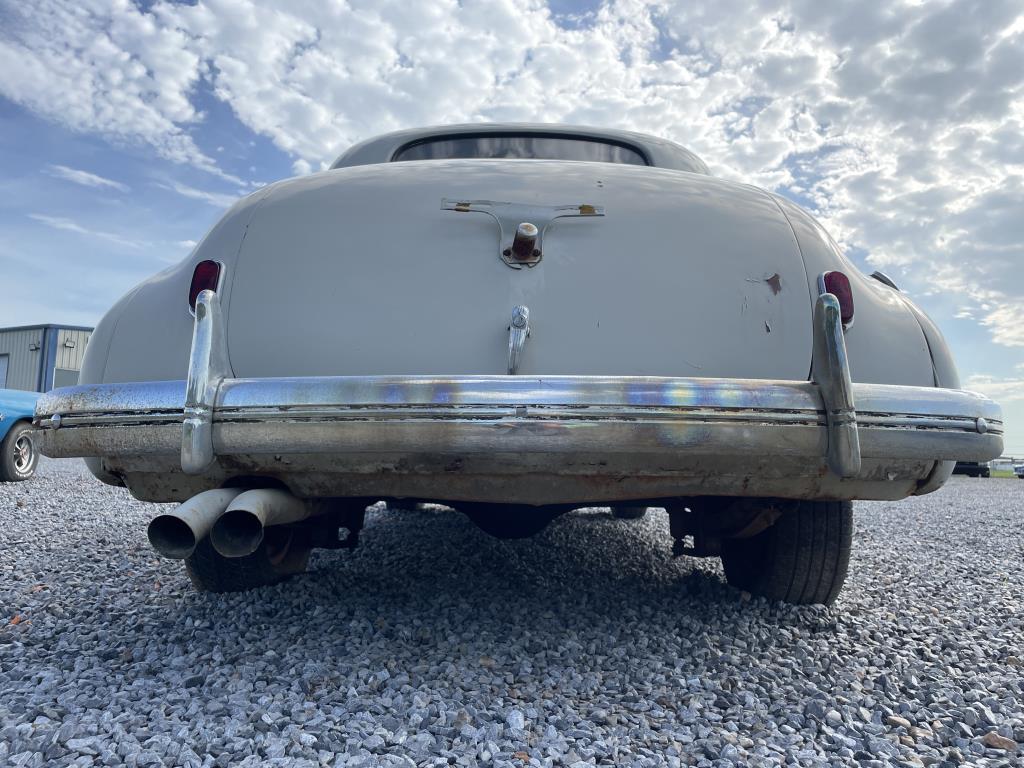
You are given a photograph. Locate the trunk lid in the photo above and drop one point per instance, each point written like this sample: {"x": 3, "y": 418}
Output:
{"x": 360, "y": 271}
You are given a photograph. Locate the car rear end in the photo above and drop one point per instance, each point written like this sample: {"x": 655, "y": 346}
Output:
{"x": 542, "y": 333}
{"x": 366, "y": 331}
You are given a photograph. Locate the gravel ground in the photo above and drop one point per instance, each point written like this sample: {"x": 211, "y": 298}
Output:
{"x": 433, "y": 644}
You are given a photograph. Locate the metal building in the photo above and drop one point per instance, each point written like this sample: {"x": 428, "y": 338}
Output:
{"x": 38, "y": 358}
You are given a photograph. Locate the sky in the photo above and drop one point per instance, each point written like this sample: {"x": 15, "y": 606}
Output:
{"x": 126, "y": 129}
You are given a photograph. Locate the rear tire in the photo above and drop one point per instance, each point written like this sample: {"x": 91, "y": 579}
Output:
{"x": 801, "y": 559}
{"x": 284, "y": 552}
{"x": 18, "y": 455}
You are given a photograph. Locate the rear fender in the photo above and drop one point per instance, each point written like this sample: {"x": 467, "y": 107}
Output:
{"x": 148, "y": 334}
{"x": 885, "y": 343}
{"x": 945, "y": 375}
{"x": 891, "y": 341}
{"x": 943, "y": 368}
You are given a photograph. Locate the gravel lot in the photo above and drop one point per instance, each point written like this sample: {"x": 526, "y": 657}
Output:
{"x": 433, "y": 644}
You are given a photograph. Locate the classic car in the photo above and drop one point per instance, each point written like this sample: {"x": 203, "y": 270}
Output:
{"x": 517, "y": 321}
{"x": 18, "y": 455}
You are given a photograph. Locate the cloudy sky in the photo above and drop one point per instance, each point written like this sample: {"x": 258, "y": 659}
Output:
{"x": 127, "y": 128}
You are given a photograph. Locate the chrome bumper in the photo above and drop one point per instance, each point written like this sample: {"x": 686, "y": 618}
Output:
{"x": 550, "y": 439}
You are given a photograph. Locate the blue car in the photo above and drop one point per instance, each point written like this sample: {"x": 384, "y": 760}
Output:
{"x": 18, "y": 454}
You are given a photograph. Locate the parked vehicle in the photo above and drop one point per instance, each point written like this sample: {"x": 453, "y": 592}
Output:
{"x": 1018, "y": 470}
{"x": 517, "y": 320}
{"x": 18, "y": 454}
{"x": 972, "y": 469}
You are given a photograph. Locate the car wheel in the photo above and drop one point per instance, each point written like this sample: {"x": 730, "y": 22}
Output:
{"x": 284, "y": 552}
{"x": 628, "y": 512}
{"x": 800, "y": 559}
{"x": 18, "y": 454}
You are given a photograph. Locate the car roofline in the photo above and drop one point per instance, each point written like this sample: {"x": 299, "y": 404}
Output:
{"x": 659, "y": 153}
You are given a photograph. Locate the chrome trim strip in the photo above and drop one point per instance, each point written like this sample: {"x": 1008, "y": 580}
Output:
{"x": 630, "y": 394}
{"x": 341, "y": 413}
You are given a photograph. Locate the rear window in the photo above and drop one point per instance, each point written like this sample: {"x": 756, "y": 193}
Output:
{"x": 529, "y": 147}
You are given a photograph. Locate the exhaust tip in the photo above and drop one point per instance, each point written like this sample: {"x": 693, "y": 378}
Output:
{"x": 237, "y": 533}
{"x": 171, "y": 537}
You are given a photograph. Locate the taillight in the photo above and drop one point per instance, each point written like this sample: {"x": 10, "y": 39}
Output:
{"x": 205, "y": 277}
{"x": 838, "y": 285}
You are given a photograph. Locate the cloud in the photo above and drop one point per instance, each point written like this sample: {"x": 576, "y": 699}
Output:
{"x": 85, "y": 178}
{"x": 1002, "y": 390}
{"x": 216, "y": 199}
{"x": 69, "y": 225}
{"x": 898, "y": 123}
{"x": 1005, "y": 322}
{"x": 107, "y": 68}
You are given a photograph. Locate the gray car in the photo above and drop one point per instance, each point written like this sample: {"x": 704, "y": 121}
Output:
{"x": 518, "y": 320}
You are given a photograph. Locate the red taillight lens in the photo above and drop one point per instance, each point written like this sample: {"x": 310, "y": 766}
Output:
{"x": 205, "y": 277}
{"x": 838, "y": 285}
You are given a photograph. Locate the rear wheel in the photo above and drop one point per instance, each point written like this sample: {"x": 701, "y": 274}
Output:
{"x": 18, "y": 454}
{"x": 284, "y": 552}
{"x": 800, "y": 559}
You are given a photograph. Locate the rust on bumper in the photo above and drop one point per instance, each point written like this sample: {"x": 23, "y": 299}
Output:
{"x": 521, "y": 439}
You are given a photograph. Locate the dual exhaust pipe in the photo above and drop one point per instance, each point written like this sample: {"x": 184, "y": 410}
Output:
{"x": 235, "y": 520}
